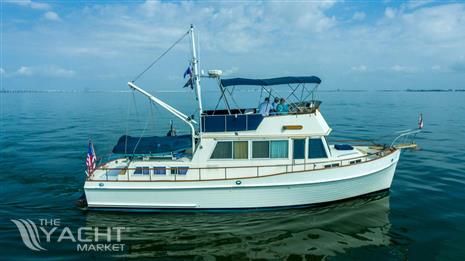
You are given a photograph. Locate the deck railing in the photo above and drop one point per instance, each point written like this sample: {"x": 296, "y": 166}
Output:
{"x": 232, "y": 172}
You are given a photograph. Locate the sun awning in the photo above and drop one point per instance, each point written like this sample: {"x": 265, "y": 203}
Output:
{"x": 271, "y": 81}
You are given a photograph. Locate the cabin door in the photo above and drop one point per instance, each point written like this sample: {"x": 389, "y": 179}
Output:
{"x": 298, "y": 154}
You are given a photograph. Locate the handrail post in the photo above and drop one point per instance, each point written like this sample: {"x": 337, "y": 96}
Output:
{"x": 258, "y": 171}
{"x": 225, "y": 176}
{"x": 200, "y": 173}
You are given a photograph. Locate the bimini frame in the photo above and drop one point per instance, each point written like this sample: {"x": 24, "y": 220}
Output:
{"x": 227, "y": 87}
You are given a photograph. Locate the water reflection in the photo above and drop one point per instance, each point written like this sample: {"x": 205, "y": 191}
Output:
{"x": 324, "y": 231}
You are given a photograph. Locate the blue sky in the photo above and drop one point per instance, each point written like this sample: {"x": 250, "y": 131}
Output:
{"x": 350, "y": 44}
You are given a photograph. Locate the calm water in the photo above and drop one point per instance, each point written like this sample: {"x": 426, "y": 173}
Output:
{"x": 43, "y": 144}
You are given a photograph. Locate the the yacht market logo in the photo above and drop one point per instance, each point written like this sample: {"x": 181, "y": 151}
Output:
{"x": 35, "y": 236}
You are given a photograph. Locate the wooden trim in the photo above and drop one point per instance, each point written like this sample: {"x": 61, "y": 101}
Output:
{"x": 292, "y": 127}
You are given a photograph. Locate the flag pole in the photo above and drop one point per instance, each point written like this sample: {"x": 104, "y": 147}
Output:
{"x": 196, "y": 76}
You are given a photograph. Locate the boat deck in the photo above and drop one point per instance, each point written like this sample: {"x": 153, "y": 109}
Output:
{"x": 182, "y": 169}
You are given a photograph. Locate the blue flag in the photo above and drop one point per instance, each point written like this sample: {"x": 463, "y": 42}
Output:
{"x": 188, "y": 72}
{"x": 189, "y": 84}
{"x": 189, "y": 81}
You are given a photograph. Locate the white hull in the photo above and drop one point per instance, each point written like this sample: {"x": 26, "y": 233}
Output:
{"x": 284, "y": 190}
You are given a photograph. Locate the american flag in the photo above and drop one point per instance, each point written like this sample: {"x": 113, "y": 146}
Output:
{"x": 91, "y": 159}
{"x": 420, "y": 122}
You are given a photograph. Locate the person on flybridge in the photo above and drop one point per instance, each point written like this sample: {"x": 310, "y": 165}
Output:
{"x": 275, "y": 104}
{"x": 282, "y": 107}
{"x": 265, "y": 107}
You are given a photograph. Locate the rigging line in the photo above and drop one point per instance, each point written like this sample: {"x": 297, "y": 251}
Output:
{"x": 143, "y": 132}
{"x": 159, "y": 57}
{"x": 152, "y": 117}
{"x": 127, "y": 125}
{"x": 135, "y": 107}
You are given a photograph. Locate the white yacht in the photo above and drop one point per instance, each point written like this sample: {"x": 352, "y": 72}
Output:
{"x": 240, "y": 158}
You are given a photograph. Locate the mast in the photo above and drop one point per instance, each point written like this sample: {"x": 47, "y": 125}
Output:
{"x": 196, "y": 76}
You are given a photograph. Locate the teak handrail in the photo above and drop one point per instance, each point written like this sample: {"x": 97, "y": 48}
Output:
{"x": 326, "y": 165}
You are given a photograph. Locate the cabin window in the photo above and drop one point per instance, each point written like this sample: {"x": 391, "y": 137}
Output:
{"x": 299, "y": 149}
{"x": 316, "y": 149}
{"x": 241, "y": 149}
{"x": 179, "y": 170}
{"x": 159, "y": 170}
{"x": 231, "y": 149}
{"x": 332, "y": 165}
{"x": 275, "y": 149}
{"x": 142, "y": 171}
{"x": 260, "y": 149}
{"x": 223, "y": 150}
{"x": 279, "y": 149}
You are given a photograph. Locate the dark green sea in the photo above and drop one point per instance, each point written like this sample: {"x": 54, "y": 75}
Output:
{"x": 43, "y": 143}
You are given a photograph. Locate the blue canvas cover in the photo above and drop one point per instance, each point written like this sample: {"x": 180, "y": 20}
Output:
{"x": 152, "y": 145}
{"x": 343, "y": 147}
{"x": 270, "y": 81}
{"x": 225, "y": 123}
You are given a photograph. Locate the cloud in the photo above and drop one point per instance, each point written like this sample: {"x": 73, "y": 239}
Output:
{"x": 2, "y": 71}
{"x": 30, "y": 4}
{"x": 51, "y": 16}
{"x": 403, "y": 69}
{"x": 226, "y": 27}
{"x": 59, "y": 72}
{"x": 412, "y": 4}
{"x": 444, "y": 22}
{"x": 23, "y": 70}
{"x": 263, "y": 39}
{"x": 230, "y": 71}
{"x": 359, "y": 68}
{"x": 358, "y": 16}
{"x": 52, "y": 71}
{"x": 390, "y": 12}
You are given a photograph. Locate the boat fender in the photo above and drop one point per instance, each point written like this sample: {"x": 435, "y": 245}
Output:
{"x": 82, "y": 202}
{"x": 238, "y": 182}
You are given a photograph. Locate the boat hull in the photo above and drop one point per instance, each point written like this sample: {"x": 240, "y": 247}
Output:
{"x": 293, "y": 189}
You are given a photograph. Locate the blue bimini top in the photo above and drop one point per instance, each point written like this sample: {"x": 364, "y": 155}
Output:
{"x": 271, "y": 81}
